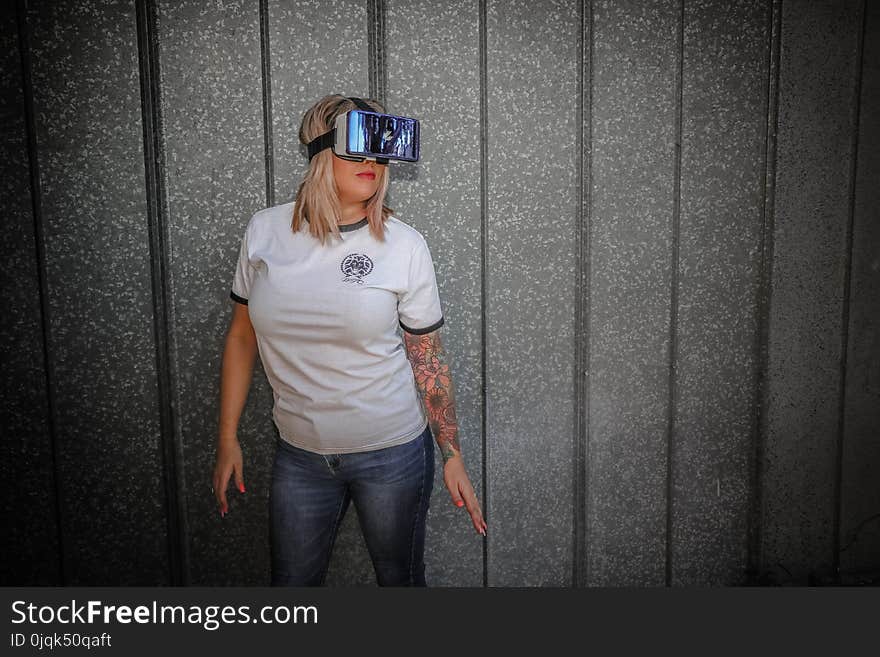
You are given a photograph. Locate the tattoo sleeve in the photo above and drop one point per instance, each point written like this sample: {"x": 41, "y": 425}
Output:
{"x": 434, "y": 381}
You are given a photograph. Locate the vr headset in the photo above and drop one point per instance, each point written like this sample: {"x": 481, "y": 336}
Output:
{"x": 364, "y": 134}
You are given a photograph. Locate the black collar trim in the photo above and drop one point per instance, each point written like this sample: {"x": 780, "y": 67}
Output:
{"x": 349, "y": 227}
{"x": 346, "y": 228}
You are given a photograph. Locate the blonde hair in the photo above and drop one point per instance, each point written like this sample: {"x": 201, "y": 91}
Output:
{"x": 316, "y": 198}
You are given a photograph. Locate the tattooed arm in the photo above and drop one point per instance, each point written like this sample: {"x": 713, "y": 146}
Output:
{"x": 434, "y": 381}
{"x": 431, "y": 371}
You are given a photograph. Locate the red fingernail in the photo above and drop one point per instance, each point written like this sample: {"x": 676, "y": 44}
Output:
{"x": 241, "y": 488}
{"x": 459, "y": 503}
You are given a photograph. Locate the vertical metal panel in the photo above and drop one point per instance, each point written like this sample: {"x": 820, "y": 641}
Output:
{"x": 433, "y": 74}
{"x": 87, "y": 100}
{"x": 376, "y": 11}
{"x": 723, "y": 130}
{"x": 817, "y": 77}
{"x": 581, "y": 353}
{"x": 318, "y": 48}
{"x": 212, "y": 120}
{"x": 860, "y": 492}
{"x": 532, "y": 56}
{"x": 635, "y": 60}
{"x": 30, "y": 543}
{"x": 762, "y": 398}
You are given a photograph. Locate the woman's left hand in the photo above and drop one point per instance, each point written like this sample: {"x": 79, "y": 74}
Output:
{"x": 456, "y": 480}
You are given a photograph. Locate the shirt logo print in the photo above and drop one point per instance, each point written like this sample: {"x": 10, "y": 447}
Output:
{"x": 355, "y": 266}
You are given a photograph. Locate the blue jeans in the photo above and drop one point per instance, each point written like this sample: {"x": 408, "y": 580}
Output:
{"x": 391, "y": 490}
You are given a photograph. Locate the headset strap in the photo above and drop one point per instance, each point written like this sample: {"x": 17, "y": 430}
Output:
{"x": 320, "y": 143}
{"x": 361, "y": 104}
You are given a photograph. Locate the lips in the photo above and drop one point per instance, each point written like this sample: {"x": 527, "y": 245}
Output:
{"x": 368, "y": 175}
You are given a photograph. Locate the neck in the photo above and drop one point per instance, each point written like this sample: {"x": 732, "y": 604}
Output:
{"x": 352, "y": 213}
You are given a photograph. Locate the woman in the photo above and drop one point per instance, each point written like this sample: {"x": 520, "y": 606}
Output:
{"x": 321, "y": 285}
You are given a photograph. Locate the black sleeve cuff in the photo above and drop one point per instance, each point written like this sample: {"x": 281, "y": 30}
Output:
{"x": 421, "y": 331}
{"x": 237, "y": 298}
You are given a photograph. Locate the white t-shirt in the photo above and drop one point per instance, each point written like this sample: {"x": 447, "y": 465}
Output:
{"x": 326, "y": 319}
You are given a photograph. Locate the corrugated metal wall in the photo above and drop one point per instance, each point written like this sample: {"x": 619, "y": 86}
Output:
{"x": 655, "y": 230}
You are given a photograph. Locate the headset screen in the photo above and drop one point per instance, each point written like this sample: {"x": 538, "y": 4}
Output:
{"x": 383, "y": 135}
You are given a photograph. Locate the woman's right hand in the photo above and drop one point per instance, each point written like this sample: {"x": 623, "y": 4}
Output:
{"x": 228, "y": 463}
